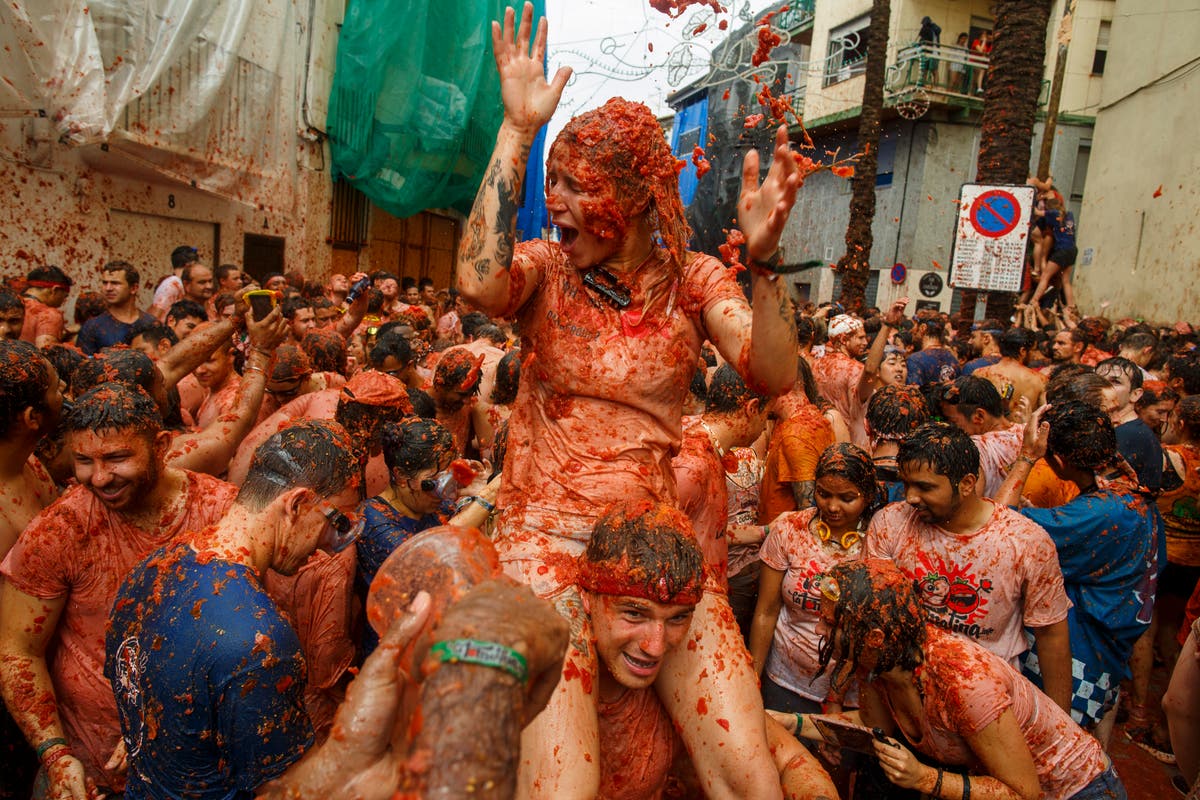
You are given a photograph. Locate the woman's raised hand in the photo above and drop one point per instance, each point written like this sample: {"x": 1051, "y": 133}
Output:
{"x": 529, "y": 101}
{"x": 763, "y": 210}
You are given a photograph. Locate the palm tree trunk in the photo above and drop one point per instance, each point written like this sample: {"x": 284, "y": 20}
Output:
{"x": 855, "y": 265}
{"x": 1010, "y": 102}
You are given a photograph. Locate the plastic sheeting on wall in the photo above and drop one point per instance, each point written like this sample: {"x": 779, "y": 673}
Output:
{"x": 202, "y": 90}
{"x": 416, "y": 103}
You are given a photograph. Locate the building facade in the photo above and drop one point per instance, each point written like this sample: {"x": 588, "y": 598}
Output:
{"x": 1139, "y": 215}
{"x": 124, "y": 135}
{"x": 929, "y": 136}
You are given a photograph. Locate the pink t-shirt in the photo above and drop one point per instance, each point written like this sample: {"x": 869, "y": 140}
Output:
{"x": 597, "y": 416}
{"x": 168, "y": 293}
{"x": 986, "y": 585}
{"x": 966, "y": 688}
{"x": 792, "y": 549}
{"x": 837, "y": 376}
{"x": 80, "y": 550}
{"x": 997, "y": 451}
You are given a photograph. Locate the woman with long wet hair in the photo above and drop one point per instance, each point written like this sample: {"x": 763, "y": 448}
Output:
{"x": 952, "y": 701}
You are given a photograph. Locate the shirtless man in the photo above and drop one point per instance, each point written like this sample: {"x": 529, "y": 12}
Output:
{"x": 61, "y": 578}
{"x": 30, "y": 404}
{"x": 1009, "y": 375}
{"x": 46, "y": 289}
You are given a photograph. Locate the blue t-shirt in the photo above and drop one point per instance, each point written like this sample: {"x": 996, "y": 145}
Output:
{"x": 209, "y": 679}
{"x": 384, "y": 530}
{"x": 932, "y": 366}
{"x": 979, "y": 363}
{"x": 1062, "y": 228}
{"x": 105, "y": 331}
{"x": 1139, "y": 446}
{"x": 1110, "y": 547}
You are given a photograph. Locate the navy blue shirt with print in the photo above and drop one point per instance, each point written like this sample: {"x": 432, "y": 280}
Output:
{"x": 209, "y": 679}
{"x": 931, "y": 366}
{"x": 1111, "y": 547}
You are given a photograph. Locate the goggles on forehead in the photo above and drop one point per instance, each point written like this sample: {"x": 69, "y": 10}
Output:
{"x": 341, "y": 531}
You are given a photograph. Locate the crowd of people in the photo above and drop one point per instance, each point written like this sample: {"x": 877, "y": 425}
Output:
{"x": 607, "y": 518}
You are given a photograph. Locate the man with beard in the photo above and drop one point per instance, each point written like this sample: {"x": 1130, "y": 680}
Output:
{"x": 208, "y": 674}
{"x": 62, "y": 576}
{"x": 119, "y": 285}
{"x": 985, "y": 572}
{"x": 839, "y": 372}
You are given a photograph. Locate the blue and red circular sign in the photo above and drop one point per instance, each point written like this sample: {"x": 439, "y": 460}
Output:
{"x": 899, "y": 273}
{"x": 995, "y": 213}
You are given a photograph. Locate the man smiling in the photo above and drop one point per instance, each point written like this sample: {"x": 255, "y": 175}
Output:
{"x": 642, "y": 576}
{"x": 62, "y": 577}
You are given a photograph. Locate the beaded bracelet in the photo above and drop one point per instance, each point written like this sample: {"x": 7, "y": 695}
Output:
{"x": 485, "y": 654}
{"x": 46, "y": 745}
{"x": 937, "y": 787}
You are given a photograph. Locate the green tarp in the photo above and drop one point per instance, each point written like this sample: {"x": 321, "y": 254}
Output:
{"x": 415, "y": 104}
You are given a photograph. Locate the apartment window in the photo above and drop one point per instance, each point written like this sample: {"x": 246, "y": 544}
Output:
{"x": 1101, "y": 47}
{"x": 847, "y": 55}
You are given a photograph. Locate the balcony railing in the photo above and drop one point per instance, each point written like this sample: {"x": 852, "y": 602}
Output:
{"x": 796, "y": 95}
{"x": 944, "y": 73}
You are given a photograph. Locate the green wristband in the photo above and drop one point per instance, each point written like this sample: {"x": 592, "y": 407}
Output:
{"x": 799, "y": 723}
{"x": 485, "y": 654}
{"x": 46, "y": 745}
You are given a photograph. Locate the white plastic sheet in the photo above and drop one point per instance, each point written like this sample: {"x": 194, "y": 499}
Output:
{"x": 201, "y": 89}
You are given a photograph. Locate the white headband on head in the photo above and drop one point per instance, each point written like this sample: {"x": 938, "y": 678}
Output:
{"x": 843, "y": 324}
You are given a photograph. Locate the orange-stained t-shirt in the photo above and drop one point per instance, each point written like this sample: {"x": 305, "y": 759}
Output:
{"x": 796, "y": 445}
{"x": 80, "y": 550}
{"x": 41, "y": 320}
{"x": 837, "y": 376}
{"x": 638, "y": 743}
{"x": 598, "y": 413}
{"x": 966, "y": 688}
{"x": 319, "y": 602}
{"x": 1180, "y": 509}
{"x": 1044, "y": 489}
{"x": 987, "y": 585}
{"x": 704, "y": 497}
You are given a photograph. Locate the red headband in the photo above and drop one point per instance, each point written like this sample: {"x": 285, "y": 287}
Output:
{"x": 618, "y": 578}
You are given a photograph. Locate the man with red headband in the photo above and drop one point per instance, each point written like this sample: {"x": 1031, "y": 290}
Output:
{"x": 642, "y": 577}
{"x": 839, "y": 372}
{"x": 612, "y": 319}
{"x": 46, "y": 289}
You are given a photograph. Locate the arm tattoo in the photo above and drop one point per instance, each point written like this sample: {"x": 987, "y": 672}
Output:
{"x": 506, "y": 219}
{"x": 482, "y": 268}
{"x": 803, "y": 491}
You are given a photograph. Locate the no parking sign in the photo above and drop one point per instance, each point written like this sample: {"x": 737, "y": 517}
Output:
{"x": 989, "y": 245}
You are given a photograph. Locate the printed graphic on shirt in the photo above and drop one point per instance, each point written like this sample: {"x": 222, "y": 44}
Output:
{"x": 954, "y": 596}
{"x": 806, "y": 595}
{"x": 131, "y": 662}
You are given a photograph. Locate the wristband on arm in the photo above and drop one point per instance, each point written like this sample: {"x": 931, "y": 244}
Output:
{"x": 485, "y": 654}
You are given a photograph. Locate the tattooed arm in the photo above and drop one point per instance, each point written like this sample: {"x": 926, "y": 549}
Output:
{"x": 486, "y": 253}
